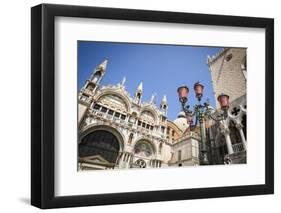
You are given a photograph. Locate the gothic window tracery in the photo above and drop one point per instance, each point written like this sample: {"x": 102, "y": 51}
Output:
{"x": 235, "y": 111}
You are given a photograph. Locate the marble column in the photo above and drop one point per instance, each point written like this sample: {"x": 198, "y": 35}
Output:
{"x": 120, "y": 160}
{"x": 228, "y": 141}
{"x": 128, "y": 161}
{"x": 123, "y": 164}
{"x": 244, "y": 142}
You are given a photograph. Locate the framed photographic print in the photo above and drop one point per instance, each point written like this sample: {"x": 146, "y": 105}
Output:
{"x": 139, "y": 106}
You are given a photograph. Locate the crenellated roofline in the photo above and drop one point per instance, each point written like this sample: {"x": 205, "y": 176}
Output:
{"x": 213, "y": 58}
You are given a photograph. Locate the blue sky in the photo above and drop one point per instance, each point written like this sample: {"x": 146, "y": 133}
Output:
{"x": 162, "y": 68}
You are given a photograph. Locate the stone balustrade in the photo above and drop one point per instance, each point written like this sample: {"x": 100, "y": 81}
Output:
{"x": 238, "y": 147}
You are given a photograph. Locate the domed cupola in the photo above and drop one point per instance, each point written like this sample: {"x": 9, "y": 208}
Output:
{"x": 181, "y": 121}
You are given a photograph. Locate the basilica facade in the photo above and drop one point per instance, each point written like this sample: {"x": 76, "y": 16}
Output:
{"x": 118, "y": 130}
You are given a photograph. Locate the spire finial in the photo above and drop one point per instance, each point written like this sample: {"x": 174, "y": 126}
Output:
{"x": 164, "y": 100}
{"x": 140, "y": 87}
{"x": 138, "y": 94}
{"x": 153, "y": 98}
{"x": 164, "y": 105}
{"x": 123, "y": 81}
{"x": 99, "y": 72}
{"x": 103, "y": 65}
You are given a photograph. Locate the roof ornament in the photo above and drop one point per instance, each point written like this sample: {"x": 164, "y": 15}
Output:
{"x": 164, "y": 100}
{"x": 153, "y": 98}
{"x": 123, "y": 81}
{"x": 140, "y": 87}
{"x": 103, "y": 65}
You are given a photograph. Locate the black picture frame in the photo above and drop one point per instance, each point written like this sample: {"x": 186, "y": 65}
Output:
{"x": 43, "y": 105}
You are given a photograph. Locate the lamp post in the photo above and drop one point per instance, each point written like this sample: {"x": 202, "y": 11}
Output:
{"x": 200, "y": 112}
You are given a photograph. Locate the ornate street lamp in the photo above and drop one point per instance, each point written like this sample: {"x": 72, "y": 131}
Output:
{"x": 223, "y": 99}
{"x": 183, "y": 93}
{"x": 198, "y": 88}
{"x": 200, "y": 112}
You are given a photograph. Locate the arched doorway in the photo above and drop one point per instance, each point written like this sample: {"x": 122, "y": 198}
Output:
{"x": 100, "y": 148}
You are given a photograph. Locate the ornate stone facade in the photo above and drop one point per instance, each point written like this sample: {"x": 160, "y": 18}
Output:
{"x": 117, "y": 130}
{"x": 143, "y": 136}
